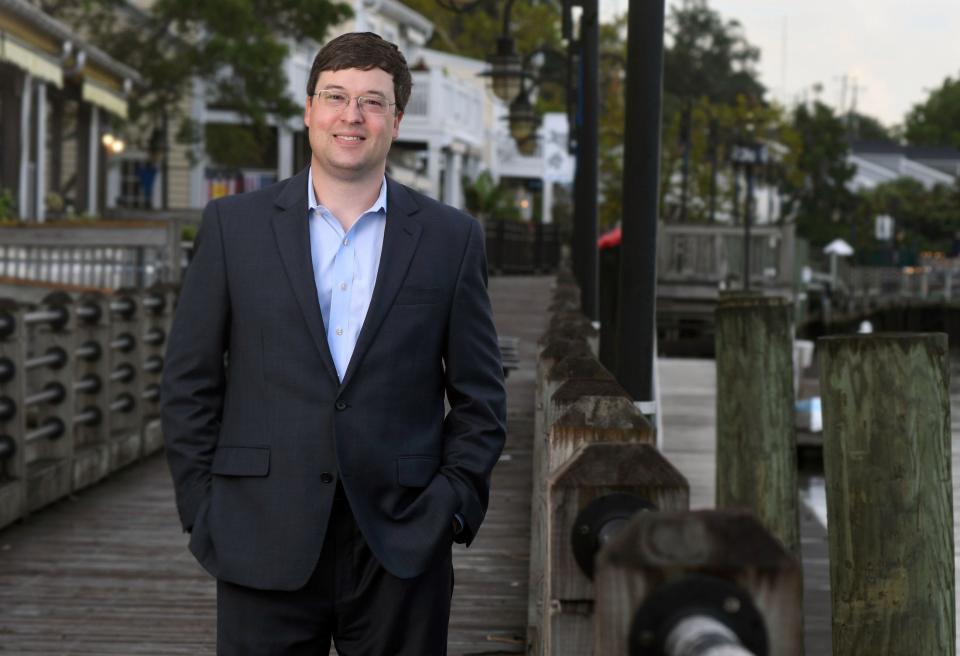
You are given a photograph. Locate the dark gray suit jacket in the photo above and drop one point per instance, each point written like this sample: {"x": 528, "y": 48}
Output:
{"x": 258, "y": 427}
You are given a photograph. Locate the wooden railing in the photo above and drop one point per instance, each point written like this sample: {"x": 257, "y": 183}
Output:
{"x": 79, "y": 391}
{"x": 618, "y": 565}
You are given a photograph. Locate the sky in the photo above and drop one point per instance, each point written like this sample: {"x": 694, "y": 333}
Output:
{"x": 893, "y": 51}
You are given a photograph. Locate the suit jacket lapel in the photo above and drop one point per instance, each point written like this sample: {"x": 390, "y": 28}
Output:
{"x": 400, "y": 238}
{"x": 292, "y": 230}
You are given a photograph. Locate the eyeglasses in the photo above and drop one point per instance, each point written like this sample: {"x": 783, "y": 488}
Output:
{"x": 337, "y": 100}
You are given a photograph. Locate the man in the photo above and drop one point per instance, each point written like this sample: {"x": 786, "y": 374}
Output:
{"x": 320, "y": 324}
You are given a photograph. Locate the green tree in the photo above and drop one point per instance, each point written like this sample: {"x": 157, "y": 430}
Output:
{"x": 487, "y": 200}
{"x": 818, "y": 192}
{"x": 936, "y": 121}
{"x": 237, "y": 48}
{"x": 866, "y": 128}
{"x": 925, "y": 219}
{"x": 707, "y": 56}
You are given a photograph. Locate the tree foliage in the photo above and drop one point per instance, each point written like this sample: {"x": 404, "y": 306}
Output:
{"x": 926, "y": 219}
{"x": 818, "y": 194}
{"x": 238, "y": 47}
{"x": 936, "y": 121}
{"x": 534, "y": 26}
{"x": 708, "y": 57}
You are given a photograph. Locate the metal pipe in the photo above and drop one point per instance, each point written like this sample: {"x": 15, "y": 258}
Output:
{"x": 89, "y": 384}
{"x": 123, "y": 343}
{"x": 52, "y": 428}
{"x": 154, "y": 337}
{"x": 53, "y": 316}
{"x": 53, "y": 393}
{"x": 123, "y": 403}
{"x": 124, "y": 373}
{"x": 125, "y": 307}
{"x": 55, "y": 357}
{"x": 702, "y": 635}
{"x": 154, "y": 364}
{"x": 89, "y": 351}
{"x": 90, "y": 416}
{"x": 89, "y": 312}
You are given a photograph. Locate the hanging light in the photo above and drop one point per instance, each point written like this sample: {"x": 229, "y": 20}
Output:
{"x": 528, "y": 146}
{"x": 523, "y": 119}
{"x": 506, "y": 70}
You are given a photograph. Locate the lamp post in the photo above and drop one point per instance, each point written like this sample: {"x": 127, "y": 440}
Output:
{"x": 748, "y": 156}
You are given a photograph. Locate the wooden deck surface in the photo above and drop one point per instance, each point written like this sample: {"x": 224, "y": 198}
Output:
{"x": 108, "y": 571}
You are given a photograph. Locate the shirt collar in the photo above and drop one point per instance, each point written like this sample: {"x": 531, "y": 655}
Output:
{"x": 379, "y": 204}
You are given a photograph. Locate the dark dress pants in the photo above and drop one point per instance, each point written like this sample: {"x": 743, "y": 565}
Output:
{"x": 349, "y": 599}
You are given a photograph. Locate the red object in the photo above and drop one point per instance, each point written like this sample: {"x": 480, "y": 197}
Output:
{"x": 610, "y": 239}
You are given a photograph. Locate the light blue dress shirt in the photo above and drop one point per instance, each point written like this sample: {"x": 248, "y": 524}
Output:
{"x": 345, "y": 266}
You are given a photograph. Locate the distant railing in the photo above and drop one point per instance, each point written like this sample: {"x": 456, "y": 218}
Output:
{"x": 712, "y": 253}
{"x": 522, "y": 247}
{"x": 105, "y": 255}
{"x": 79, "y": 391}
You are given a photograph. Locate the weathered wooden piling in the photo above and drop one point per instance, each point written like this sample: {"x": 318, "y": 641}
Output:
{"x": 756, "y": 439}
{"x": 887, "y": 450}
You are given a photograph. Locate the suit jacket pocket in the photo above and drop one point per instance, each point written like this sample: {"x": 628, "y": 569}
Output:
{"x": 416, "y": 471}
{"x": 241, "y": 461}
{"x": 419, "y": 296}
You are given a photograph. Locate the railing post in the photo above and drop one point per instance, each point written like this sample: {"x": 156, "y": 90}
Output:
{"x": 157, "y": 303}
{"x": 756, "y": 441}
{"x": 667, "y": 569}
{"x": 887, "y": 455}
{"x": 49, "y": 441}
{"x": 13, "y": 469}
{"x": 91, "y": 460}
{"x": 123, "y": 393}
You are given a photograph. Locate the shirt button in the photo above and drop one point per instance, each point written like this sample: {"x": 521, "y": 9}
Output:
{"x": 326, "y": 478}
{"x": 340, "y": 405}
{"x": 346, "y": 242}
{"x": 343, "y": 286}
{"x": 339, "y": 331}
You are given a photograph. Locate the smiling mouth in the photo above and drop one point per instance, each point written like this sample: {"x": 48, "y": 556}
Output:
{"x": 350, "y": 138}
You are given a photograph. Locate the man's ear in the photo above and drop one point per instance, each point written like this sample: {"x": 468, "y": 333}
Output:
{"x": 396, "y": 125}
{"x": 306, "y": 111}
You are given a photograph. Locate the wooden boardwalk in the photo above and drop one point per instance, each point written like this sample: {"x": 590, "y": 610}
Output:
{"x": 108, "y": 572}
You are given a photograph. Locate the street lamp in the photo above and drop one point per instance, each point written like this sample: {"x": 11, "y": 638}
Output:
{"x": 523, "y": 119}
{"x": 506, "y": 70}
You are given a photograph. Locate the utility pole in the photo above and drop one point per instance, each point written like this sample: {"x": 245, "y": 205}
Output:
{"x": 641, "y": 187}
{"x": 585, "y": 183}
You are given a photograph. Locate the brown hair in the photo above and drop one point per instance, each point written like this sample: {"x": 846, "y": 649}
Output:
{"x": 366, "y": 51}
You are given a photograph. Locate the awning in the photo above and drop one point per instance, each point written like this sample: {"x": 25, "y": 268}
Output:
{"x": 36, "y": 63}
{"x": 105, "y": 98}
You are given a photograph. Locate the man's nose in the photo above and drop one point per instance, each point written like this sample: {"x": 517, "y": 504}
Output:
{"x": 351, "y": 113}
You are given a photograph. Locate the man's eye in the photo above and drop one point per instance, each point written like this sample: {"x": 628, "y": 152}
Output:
{"x": 374, "y": 103}
{"x": 336, "y": 97}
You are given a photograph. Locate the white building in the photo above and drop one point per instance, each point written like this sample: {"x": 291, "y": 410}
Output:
{"x": 453, "y": 126}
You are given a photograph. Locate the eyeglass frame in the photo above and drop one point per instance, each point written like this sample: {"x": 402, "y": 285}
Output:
{"x": 359, "y": 99}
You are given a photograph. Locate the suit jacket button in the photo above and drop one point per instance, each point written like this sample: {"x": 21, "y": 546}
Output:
{"x": 340, "y": 405}
{"x": 326, "y": 478}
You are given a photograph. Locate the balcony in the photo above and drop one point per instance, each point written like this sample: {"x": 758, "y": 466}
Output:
{"x": 444, "y": 108}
